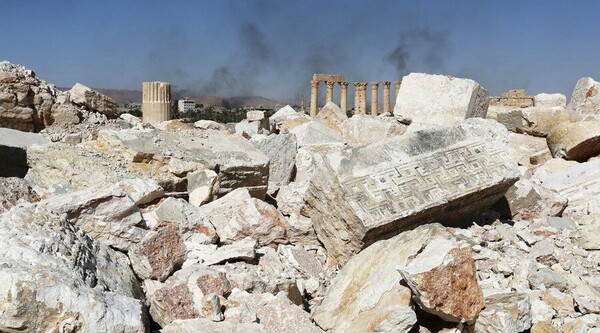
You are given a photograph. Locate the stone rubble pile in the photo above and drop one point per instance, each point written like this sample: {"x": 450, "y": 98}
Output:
{"x": 295, "y": 224}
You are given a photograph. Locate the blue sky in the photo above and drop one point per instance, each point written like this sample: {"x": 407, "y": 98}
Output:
{"x": 271, "y": 48}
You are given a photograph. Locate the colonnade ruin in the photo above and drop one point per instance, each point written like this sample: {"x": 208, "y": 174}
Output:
{"x": 360, "y": 93}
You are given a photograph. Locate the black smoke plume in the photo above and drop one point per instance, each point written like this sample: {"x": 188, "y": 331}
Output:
{"x": 419, "y": 49}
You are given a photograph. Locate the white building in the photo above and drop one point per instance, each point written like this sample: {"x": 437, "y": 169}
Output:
{"x": 185, "y": 105}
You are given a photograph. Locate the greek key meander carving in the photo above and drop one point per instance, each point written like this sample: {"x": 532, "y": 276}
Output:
{"x": 422, "y": 183}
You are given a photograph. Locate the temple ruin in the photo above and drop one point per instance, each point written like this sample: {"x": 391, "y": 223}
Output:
{"x": 156, "y": 102}
{"x": 360, "y": 93}
{"x": 513, "y": 98}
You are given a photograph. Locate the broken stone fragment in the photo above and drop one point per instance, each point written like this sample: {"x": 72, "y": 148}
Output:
{"x": 332, "y": 116}
{"x": 13, "y": 151}
{"x": 92, "y": 100}
{"x": 281, "y": 150}
{"x": 202, "y": 186}
{"x": 209, "y": 326}
{"x": 158, "y": 254}
{"x": 575, "y": 141}
{"x": 443, "y": 281}
{"x": 585, "y": 100}
{"x": 505, "y": 313}
{"x": 368, "y": 193}
{"x": 361, "y": 130}
{"x": 193, "y": 223}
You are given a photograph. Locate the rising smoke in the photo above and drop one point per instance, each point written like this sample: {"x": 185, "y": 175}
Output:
{"x": 419, "y": 50}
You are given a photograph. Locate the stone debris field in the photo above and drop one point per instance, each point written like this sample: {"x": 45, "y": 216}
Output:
{"x": 451, "y": 211}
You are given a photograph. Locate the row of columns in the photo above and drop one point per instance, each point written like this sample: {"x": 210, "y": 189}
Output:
{"x": 360, "y": 96}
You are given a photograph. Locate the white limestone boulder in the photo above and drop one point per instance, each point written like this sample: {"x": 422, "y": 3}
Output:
{"x": 536, "y": 121}
{"x": 202, "y": 186}
{"x": 13, "y": 151}
{"x": 505, "y": 313}
{"x": 331, "y": 116}
{"x": 193, "y": 223}
{"x": 281, "y": 150}
{"x": 93, "y": 100}
{"x": 209, "y": 326}
{"x": 204, "y": 124}
{"x": 529, "y": 151}
{"x": 359, "y": 196}
{"x": 527, "y": 200}
{"x": 315, "y": 133}
{"x": 585, "y": 100}
{"x": 366, "y": 295}
{"x": 55, "y": 278}
{"x": 242, "y": 250}
{"x": 575, "y": 141}
{"x": 363, "y": 129}
{"x": 550, "y": 100}
{"x": 432, "y": 100}
{"x": 443, "y": 281}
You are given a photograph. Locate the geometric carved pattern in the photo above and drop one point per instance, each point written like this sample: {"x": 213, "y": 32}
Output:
{"x": 426, "y": 182}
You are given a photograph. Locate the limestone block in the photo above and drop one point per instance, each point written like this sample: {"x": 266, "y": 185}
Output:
{"x": 536, "y": 121}
{"x": 527, "y": 200}
{"x": 575, "y": 141}
{"x": 550, "y": 100}
{"x": 209, "y": 326}
{"x": 275, "y": 312}
{"x": 187, "y": 294}
{"x": 529, "y": 151}
{"x": 202, "y": 186}
{"x": 252, "y": 128}
{"x": 367, "y": 294}
{"x": 286, "y": 112}
{"x": 281, "y": 150}
{"x": 315, "y": 133}
{"x": 550, "y": 167}
{"x": 142, "y": 191}
{"x": 585, "y": 100}
{"x": 236, "y": 217}
{"x": 131, "y": 119}
{"x": 362, "y": 130}
{"x": 332, "y": 116}
{"x": 13, "y": 151}
{"x": 18, "y": 118}
{"x": 210, "y": 125}
{"x": 505, "y": 313}
{"x": 65, "y": 114}
{"x": 193, "y": 223}
{"x": 293, "y": 121}
{"x": 243, "y": 250}
{"x": 443, "y": 281}
{"x": 255, "y": 115}
{"x": 365, "y": 194}
{"x": 172, "y": 125}
{"x": 580, "y": 184}
{"x": 439, "y": 99}
{"x": 105, "y": 212}
{"x": 54, "y": 277}
{"x": 93, "y": 100}
{"x": 158, "y": 254}
{"x": 586, "y": 235}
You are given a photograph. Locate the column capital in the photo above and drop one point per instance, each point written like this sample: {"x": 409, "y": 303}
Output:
{"x": 329, "y": 84}
{"x": 397, "y": 83}
{"x": 386, "y": 83}
{"x": 344, "y": 84}
{"x": 360, "y": 84}
{"x": 314, "y": 83}
{"x": 374, "y": 85}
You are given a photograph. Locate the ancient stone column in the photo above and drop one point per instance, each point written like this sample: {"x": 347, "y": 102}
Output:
{"x": 386, "y": 96}
{"x": 356, "y": 98}
{"x": 156, "y": 102}
{"x": 397, "y": 87}
{"x": 329, "y": 96}
{"x": 363, "y": 97}
{"x": 314, "y": 95}
{"x": 374, "y": 98}
{"x": 344, "y": 96}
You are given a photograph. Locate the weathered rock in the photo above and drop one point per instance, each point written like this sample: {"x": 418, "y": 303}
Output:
{"x": 142, "y": 191}
{"x": 255, "y": 115}
{"x": 237, "y": 216}
{"x": 276, "y": 313}
{"x": 526, "y": 200}
{"x": 13, "y": 151}
{"x": 548, "y": 278}
{"x": 105, "y": 212}
{"x": 529, "y": 151}
{"x": 65, "y": 114}
{"x": 362, "y": 129}
{"x": 209, "y": 326}
{"x": 580, "y": 185}
{"x": 585, "y": 296}
{"x": 158, "y": 254}
{"x": 189, "y": 293}
{"x": 135, "y": 153}
{"x": 283, "y": 114}
{"x": 560, "y": 302}
{"x": 281, "y": 150}
{"x": 550, "y": 100}
{"x": 315, "y": 133}
{"x": 55, "y": 278}
{"x": 244, "y": 250}
{"x": 367, "y": 294}
{"x": 93, "y": 100}
{"x": 172, "y": 125}
{"x": 252, "y": 128}
{"x": 193, "y": 223}
{"x": 14, "y": 191}
{"x": 505, "y": 313}
{"x": 292, "y": 122}
{"x": 202, "y": 186}
{"x": 25, "y": 100}
{"x": 210, "y": 125}
{"x": 439, "y": 99}
{"x": 550, "y": 167}
{"x": 543, "y": 327}
{"x": 332, "y": 116}
{"x": 443, "y": 281}
{"x": 585, "y": 100}
{"x": 365, "y": 194}
{"x": 575, "y": 141}
{"x": 537, "y": 121}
